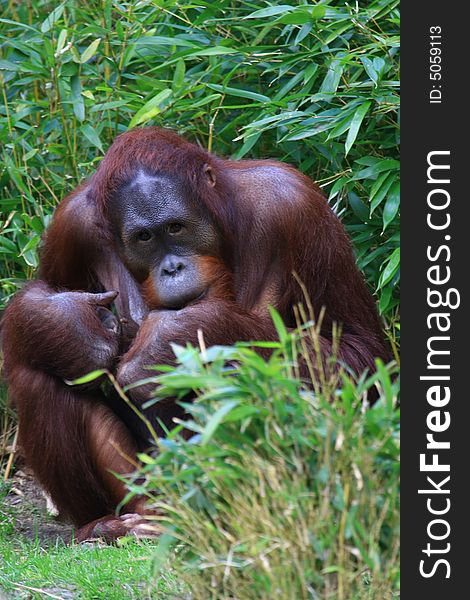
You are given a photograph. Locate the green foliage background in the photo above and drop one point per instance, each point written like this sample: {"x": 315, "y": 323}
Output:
{"x": 313, "y": 84}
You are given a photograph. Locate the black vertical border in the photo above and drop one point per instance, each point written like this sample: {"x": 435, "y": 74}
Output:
{"x": 426, "y": 127}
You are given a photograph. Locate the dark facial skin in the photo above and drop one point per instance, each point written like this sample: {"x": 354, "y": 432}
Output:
{"x": 162, "y": 234}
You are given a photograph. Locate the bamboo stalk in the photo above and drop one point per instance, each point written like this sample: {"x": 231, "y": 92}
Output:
{"x": 11, "y": 457}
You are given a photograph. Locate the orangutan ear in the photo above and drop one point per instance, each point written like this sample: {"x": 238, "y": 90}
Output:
{"x": 210, "y": 174}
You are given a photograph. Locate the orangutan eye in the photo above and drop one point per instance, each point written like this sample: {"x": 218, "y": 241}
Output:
{"x": 144, "y": 235}
{"x": 175, "y": 228}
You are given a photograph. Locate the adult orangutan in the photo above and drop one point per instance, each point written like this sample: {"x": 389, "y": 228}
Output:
{"x": 179, "y": 240}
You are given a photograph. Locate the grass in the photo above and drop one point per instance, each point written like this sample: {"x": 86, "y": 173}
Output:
{"x": 35, "y": 569}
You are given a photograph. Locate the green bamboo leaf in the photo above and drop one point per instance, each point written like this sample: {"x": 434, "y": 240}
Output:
{"x": 161, "y": 40}
{"x": 385, "y": 298}
{"x": 19, "y": 24}
{"x": 250, "y": 141}
{"x": 278, "y": 324}
{"x": 341, "y": 127}
{"x": 30, "y": 257}
{"x": 310, "y": 72}
{"x": 238, "y": 92}
{"x": 205, "y": 100}
{"x": 303, "y": 32}
{"x": 178, "y": 77}
{"x": 6, "y": 245}
{"x": 289, "y": 85}
{"x": 90, "y": 51}
{"x": 305, "y": 133}
{"x": 355, "y": 125}
{"x": 391, "y": 268}
{"x": 86, "y": 378}
{"x": 108, "y": 105}
{"x": 386, "y": 382}
{"x": 214, "y": 51}
{"x": 152, "y": 108}
{"x": 380, "y": 189}
{"x": 271, "y": 11}
{"x": 293, "y": 114}
{"x": 336, "y": 33}
{"x": 391, "y": 205}
{"x": 241, "y": 412}
{"x": 296, "y": 17}
{"x": 30, "y": 245}
{"x": 379, "y": 65}
{"x": 332, "y": 78}
{"x": 388, "y": 164}
{"x": 53, "y": 17}
{"x": 338, "y": 185}
{"x": 318, "y": 11}
{"x": 7, "y": 65}
{"x": 216, "y": 419}
{"x": 61, "y": 40}
{"x": 92, "y": 136}
{"x": 358, "y": 207}
{"x": 369, "y": 68}
{"x": 77, "y": 98}
{"x": 30, "y": 154}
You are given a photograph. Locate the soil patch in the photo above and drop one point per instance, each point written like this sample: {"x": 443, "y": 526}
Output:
{"x": 30, "y": 515}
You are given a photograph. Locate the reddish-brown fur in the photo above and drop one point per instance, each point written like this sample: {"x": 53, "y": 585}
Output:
{"x": 272, "y": 221}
